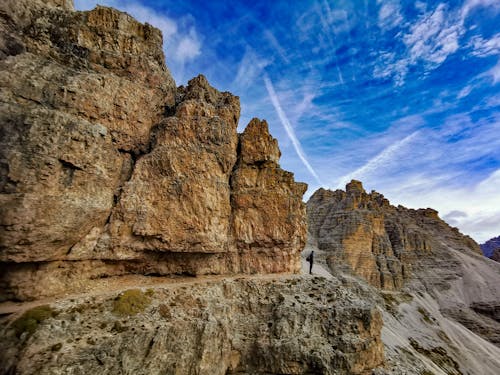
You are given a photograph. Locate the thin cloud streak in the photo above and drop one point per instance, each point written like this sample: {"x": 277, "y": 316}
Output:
{"x": 382, "y": 158}
{"x": 288, "y": 127}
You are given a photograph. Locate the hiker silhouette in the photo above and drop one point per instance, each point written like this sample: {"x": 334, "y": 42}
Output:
{"x": 310, "y": 259}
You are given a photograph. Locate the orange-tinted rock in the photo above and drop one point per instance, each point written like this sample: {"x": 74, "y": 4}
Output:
{"x": 106, "y": 168}
{"x": 378, "y": 241}
{"x": 178, "y": 198}
{"x": 268, "y": 212}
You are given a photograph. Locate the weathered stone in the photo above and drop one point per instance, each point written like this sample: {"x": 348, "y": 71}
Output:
{"x": 178, "y": 198}
{"x": 490, "y": 246}
{"x": 244, "y": 326}
{"x": 378, "y": 241}
{"x": 268, "y": 212}
{"x": 106, "y": 168}
{"x": 496, "y": 255}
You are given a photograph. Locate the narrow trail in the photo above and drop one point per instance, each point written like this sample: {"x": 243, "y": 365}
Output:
{"x": 113, "y": 285}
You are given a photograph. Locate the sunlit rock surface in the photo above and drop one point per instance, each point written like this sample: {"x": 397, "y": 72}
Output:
{"x": 107, "y": 168}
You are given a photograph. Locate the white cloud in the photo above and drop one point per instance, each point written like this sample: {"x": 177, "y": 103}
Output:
{"x": 475, "y": 210}
{"x": 276, "y": 45}
{"x": 494, "y": 73}
{"x": 288, "y": 127}
{"x": 485, "y": 47}
{"x": 188, "y": 46}
{"x": 430, "y": 40}
{"x": 420, "y": 6}
{"x": 464, "y": 92}
{"x": 434, "y": 36}
{"x": 389, "y": 14}
{"x": 471, "y": 4}
{"x": 250, "y": 68}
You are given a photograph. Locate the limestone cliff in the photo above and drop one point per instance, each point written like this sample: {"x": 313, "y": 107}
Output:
{"x": 378, "y": 241}
{"x": 441, "y": 294}
{"x": 107, "y": 168}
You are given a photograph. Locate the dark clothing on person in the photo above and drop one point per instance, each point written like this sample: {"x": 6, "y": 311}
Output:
{"x": 310, "y": 259}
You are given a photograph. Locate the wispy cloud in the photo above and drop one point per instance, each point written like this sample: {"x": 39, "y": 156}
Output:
{"x": 478, "y": 214}
{"x": 464, "y": 92}
{"x": 485, "y": 47}
{"x": 471, "y": 4}
{"x": 389, "y": 14}
{"x": 494, "y": 73}
{"x": 430, "y": 40}
{"x": 288, "y": 127}
{"x": 268, "y": 34}
{"x": 250, "y": 68}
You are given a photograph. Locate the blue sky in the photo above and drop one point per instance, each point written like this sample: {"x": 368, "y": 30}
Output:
{"x": 402, "y": 95}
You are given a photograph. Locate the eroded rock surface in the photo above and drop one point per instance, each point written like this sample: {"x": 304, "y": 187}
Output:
{"x": 496, "y": 255}
{"x": 378, "y": 241}
{"x": 294, "y": 325}
{"x": 106, "y": 168}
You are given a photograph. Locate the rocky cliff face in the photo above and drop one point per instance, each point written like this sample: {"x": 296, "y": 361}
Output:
{"x": 106, "y": 168}
{"x": 488, "y": 248}
{"x": 378, "y": 241}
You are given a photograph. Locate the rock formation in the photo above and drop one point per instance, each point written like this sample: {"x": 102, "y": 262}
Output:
{"x": 377, "y": 240}
{"x": 488, "y": 248}
{"x": 441, "y": 295}
{"x": 108, "y": 169}
{"x": 111, "y": 177}
{"x": 244, "y": 326}
{"x": 496, "y": 255}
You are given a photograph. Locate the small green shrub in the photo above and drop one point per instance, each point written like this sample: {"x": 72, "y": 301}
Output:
{"x": 425, "y": 315}
{"x": 56, "y": 347}
{"x": 29, "y": 321}
{"x": 131, "y": 302}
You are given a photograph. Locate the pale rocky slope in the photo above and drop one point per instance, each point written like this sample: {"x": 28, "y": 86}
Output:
{"x": 248, "y": 325}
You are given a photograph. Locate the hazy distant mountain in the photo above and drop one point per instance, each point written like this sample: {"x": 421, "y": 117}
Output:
{"x": 490, "y": 246}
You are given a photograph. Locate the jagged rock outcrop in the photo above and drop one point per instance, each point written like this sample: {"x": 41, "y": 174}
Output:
{"x": 488, "y": 248}
{"x": 496, "y": 255}
{"x": 106, "y": 168}
{"x": 244, "y": 326}
{"x": 268, "y": 213}
{"x": 378, "y": 241}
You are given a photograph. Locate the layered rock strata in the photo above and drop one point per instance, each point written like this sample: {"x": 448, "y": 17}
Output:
{"x": 106, "y": 168}
{"x": 378, "y": 241}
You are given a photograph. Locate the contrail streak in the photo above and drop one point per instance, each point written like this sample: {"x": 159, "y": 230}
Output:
{"x": 288, "y": 127}
{"x": 378, "y": 161}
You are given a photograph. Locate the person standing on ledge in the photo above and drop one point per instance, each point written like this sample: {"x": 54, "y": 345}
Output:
{"x": 310, "y": 259}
